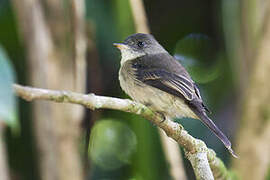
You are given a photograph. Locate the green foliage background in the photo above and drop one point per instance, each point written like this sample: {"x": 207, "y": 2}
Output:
{"x": 193, "y": 31}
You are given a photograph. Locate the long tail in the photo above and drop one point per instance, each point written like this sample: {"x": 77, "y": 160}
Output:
{"x": 210, "y": 124}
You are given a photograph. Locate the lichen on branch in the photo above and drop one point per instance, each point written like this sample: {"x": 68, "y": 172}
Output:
{"x": 196, "y": 151}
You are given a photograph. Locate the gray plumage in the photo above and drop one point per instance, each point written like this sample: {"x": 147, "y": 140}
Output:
{"x": 150, "y": 75}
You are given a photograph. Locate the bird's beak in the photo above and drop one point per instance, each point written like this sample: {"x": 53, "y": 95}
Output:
{"x": 120, "y": 46}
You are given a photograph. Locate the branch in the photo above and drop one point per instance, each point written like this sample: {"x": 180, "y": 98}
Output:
{"x": 54, "y": 40}
{"x": 253, "y": 139}
{"x": 80, "y": 43}
{"x": 200, "y": 163}
{"x": 196, "y": 150}
{"x": 4, "y": 172}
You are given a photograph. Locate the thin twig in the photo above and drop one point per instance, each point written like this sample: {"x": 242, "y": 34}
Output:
{"x": 170, "y": 147}
{"x": 191, "y": 145}
{"x": 139, "y": 16}
{"x": 173, "y": 156}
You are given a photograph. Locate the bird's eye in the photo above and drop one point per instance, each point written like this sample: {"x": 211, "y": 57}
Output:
{"x": 140, "y": 44}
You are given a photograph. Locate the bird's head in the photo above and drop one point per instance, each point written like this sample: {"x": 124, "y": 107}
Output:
{"x": 138, "y": 45}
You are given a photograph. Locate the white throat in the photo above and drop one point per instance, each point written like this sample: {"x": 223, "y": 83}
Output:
{"x": 129, "y": 55}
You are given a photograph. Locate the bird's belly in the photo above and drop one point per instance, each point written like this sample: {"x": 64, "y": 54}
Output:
{"x": 156, "y": 99}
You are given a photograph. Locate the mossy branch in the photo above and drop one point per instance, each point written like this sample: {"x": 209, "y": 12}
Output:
{"x": 196, "y": 151}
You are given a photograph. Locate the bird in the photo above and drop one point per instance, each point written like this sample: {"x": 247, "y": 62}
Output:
{"x": 151, "y": 76}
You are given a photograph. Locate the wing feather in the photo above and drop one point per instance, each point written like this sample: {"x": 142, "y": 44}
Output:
{"x": 169, "y": 82}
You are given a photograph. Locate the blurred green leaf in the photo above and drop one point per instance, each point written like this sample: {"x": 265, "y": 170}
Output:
{"x": 268, "y": 174}
{"x": 8, "y": 103}
{"x": 149, "y": 154}
{"x": 198, "y": 55}
{"x": 112, "y": 144}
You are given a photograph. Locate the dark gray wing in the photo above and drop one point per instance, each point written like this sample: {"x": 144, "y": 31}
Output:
{"x": 181, "y": 86}
{"x": 168, "y": 82}
{"x": 162, "y": 71}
